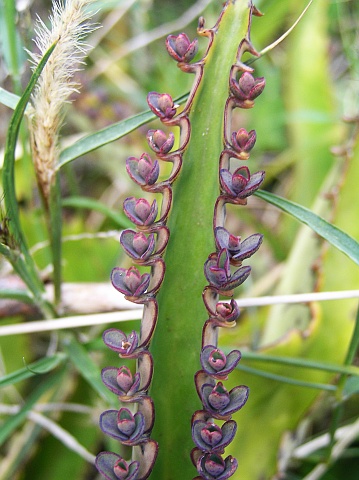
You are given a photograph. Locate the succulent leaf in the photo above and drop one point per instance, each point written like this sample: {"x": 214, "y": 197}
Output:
{"x": 144, "y": 171}
{"x": 228, "y": 312}
{"x": 160, "y": 142}
{"x": 114, "y": 467}
{"x": 247, "y": 88}
{"x": 123, "y": 426}
{"x": 129, "y": 281}
{"x": 216, "y": 363}
{"x": 139, "y": 211}
{"x": 239, "y": 250}
{"x": 221, "y": 403}
{"x": 211, "y": 466}
{"x": 118, "y": 341}
{"x": 121, "y": 381}
{"x": 243, "y": 142}
{"x": 218, "y": 273}
{"x": 137, "y": 245}
{"x": 161, "y": 105}
{"x": 209, "y": 437}
{"x": 181, "y": 48}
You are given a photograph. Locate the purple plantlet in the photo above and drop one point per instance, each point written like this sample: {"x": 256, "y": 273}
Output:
{"x": 215, "y": 363}
{"x": 122, "y": 469}
{"x": 129, "y": 281}
{"x": 209, "y": 437}
{"x": 227, "y": 312}
{"x": 123, "y": 426}
{"x": 240, "y": 184}
{"x": 221, "y": 403}
{"x": 160, "y": 142}
{"x": 214, "y": 359}
{"x": 114, "y": 467}
{"x": 238, "y": 250}
{"x": 218, "y": 273}
{"x": 181, "y": 48}
{"x": 243, "y": 142}
{"x": 162, "y": 105}
{"x": 124, "y": 345}
{"x": 144, "y": 171}
{"x": 137, "y": 245}
{"x": 139, "y": 211}
{"x": 219, "y": 399}
{"x": 211, "y": 466}
{"x": 247, "y": 89}
{"x": 121, "y": 381}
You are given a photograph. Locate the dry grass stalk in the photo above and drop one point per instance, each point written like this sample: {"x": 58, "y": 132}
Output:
{"x": 70, "y": 24}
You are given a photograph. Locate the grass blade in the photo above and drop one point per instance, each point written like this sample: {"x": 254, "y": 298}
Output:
{"x": 89, "y": 203}
{"x": 88, "y": 369}
{"x": 339, "y": 239}
{"x": 288, "y": 380}
{"x": 12, "y": 209}
{"x": 13, "y": 422}
{"x": 300, "y": 362}
{"x": 39, "y": 367}
{"x": 9, "y": 99}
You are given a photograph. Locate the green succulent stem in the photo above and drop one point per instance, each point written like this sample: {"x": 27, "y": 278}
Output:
{"x": 177, "y": 341}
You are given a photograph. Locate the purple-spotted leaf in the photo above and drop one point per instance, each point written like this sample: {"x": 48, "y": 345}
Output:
{"x": 114, "y": 467}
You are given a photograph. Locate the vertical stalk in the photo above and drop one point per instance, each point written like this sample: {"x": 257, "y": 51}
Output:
{"x": 177, "y": 340}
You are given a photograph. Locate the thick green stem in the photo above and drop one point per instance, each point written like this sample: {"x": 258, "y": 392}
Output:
{"x": 177, "y": 341}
